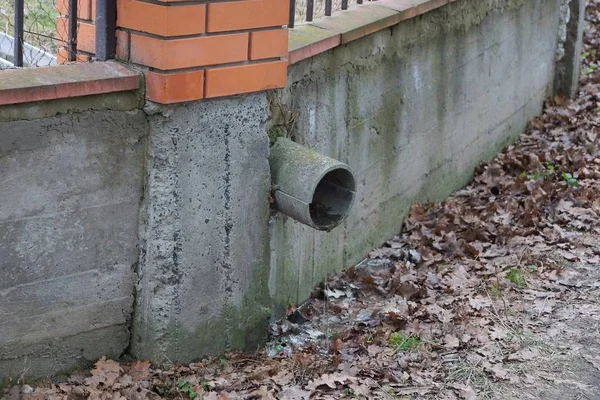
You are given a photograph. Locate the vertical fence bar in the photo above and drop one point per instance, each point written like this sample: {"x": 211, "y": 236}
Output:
{"x": 106, "y": 29}
{"x": 292, "y": 13}
{"x": 18, "y": 43}
{"x": 328, "y": 8}
{"x": 344, "y": 4}
{"x": 310, "y": 5}
{"x": 72, "y": 32}
{"x": 359, "y": 1}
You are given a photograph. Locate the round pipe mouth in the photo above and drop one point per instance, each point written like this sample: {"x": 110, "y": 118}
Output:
{"x": 313, "y": 189}
{"x": 332, "y": 198}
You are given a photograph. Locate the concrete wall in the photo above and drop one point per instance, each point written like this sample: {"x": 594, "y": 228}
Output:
{"x": 70, "y": 192}
{"x": 412, "y": 110}
{"x": 151, "y": 231}
{"x": 203, "y": 261}
{"x": 570, "y": 47}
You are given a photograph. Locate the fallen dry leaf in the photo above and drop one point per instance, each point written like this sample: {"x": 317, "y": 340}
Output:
{"x": 140, "y": 370}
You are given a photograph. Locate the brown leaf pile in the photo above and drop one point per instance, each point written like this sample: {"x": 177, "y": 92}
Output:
{"x": 439, "y": 310}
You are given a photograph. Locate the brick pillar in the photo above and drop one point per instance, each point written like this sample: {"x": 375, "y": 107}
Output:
{"x": 86, "y": 31}
{"x": 191, "y": 51}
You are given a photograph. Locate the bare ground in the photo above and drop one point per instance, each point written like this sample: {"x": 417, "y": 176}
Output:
{"x": 568, "y": 346}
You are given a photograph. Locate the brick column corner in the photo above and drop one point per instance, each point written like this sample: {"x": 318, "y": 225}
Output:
{"x": 190, "y": 51}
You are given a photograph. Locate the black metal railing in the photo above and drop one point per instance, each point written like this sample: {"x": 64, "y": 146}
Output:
{"x": 29, "y": 34}
{"x": 307, "y": 10}
{"x": 72, "y": 31}
{"x": 106, "y": 28}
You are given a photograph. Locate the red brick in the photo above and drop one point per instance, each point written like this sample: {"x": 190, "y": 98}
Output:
{"x": 161, "y": 20}
{"x": 61, "y": 31}
{"x": 168, "y": 88}
{"x": 247, "y": 14}
{"x": 84, "y": 8}
{"x": 86, "y": 35}
{"x": 227, "y": 81}
{"x": 188, "y": 52}
{"x": 62, "y": 56}
{"x": 268, "y": 44}
{"x": 123, "y": 38}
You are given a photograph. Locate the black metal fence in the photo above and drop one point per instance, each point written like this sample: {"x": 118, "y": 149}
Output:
{"x": 106, "y": 28}
{"x": 307, "y": 10}
{"x": 30, "y": 36}
{"x": 27, "y": 30}
{"x": 27, "y": 33}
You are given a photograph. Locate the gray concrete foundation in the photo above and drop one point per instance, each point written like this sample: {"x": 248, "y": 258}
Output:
{"x": 412, "y": 110}
{"x": 69, "y": 200}
{"x": 152, "y": 232}
{"x": 202, "y": 284}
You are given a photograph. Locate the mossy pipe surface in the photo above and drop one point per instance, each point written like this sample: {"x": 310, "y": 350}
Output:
{"x": 310, "y": 187}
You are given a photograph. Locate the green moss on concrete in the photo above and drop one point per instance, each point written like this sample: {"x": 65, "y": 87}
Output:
{"x": 305, "y": 35}
{"x": 382, "y": 129}
{"x": 120, "y": 101}
{"x": 282, "y": 118}
{"x": 237, "y": 328}
{"x": 291, "y": 257}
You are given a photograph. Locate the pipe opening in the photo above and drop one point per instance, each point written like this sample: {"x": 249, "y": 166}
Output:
{"x": 332, "y": 199}
{"x": 314, "y": 189}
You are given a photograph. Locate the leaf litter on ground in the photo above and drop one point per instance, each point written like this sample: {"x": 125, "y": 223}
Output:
{"x": 444, "y": 310}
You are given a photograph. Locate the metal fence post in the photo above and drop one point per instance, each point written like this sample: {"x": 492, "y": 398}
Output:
{"x": 106, "y": 27}
{"x": 328, "y": 8}
{"x": 18, "y": 43}
{"x": 292, "y": 13}
{"x": 310, "y": 4}
{"x": 72, "y": 40}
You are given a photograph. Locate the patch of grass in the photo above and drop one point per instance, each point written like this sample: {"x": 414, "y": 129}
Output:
{"x": 390, "y": 394}
{"x": 400, "y": 341}
{"x": 527, "y": 339}
{"x": 517, "y": 277}
{"x": 535, "y": 176}
{"x": 589, "y": 70}
{"x": 569, "y": 179}
{"x": 548, "y": 172}
{"x": 5, "y": 383}
{"x": 166, "y": 389}
{"x": 494, "y": 290}
{"x": 185, "y": 387}
{"x": 223, "y": 363}
{"x": 473, "y": 375}
{"x": 521, "y": 336}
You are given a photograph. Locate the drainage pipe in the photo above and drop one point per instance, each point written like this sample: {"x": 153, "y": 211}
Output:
{"x": 310, "y": 187}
